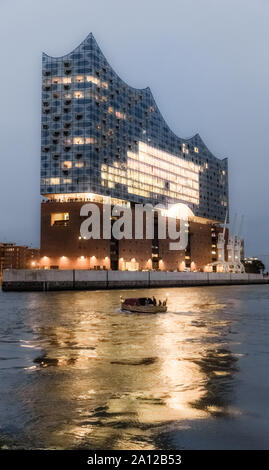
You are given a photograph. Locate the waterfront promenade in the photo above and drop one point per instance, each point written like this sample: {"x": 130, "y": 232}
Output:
{"x": 51, "y": 280}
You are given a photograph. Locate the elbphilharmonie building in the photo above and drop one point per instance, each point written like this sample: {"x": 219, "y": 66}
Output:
{"x": 102, "y": 138}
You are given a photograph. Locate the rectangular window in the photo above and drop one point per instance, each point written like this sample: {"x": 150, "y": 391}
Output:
{"x": 54, "y": 180}
{"x": 51, "y": 180}
{"x": 78, "y": 141}
{"x": 90, "y": 140}
{"x": 185, "y": 149}
{"x": 94, "y": 80}
{"x": 59, "y": 218}
{"x": 67, "y": 164}
{"x": 78, "y": 94}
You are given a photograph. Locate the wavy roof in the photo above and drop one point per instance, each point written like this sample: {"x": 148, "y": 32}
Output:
{"x": 89, "y": 42}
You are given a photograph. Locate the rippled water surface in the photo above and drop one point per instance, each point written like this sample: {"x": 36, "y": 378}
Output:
{"x": 75, "y": 372}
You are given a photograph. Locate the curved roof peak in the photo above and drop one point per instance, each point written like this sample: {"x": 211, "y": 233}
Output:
{"x": 90, "y": 37}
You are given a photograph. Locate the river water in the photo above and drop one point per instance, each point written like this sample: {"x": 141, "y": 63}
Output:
{"x": 75, "y": 372}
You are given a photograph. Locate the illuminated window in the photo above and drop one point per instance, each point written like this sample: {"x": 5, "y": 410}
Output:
{"x": 120, "y": 115}
{"x": 66, "y": 80}
{"x": 132, "y": 265}
{"x": 185, "y": 149}
{"x": 63, "y": 80}
{"x": 90, "y": 140}
{"x": 82, "y": 141}
{"x": 59, "y": 219}
{"x": 54, "y": 180}
{"x": 78, "y": 94}
{"x": 152, "y": 170}
{"x": 79, "y": 165}
{"x": 196, "y": 149}
{"x": 67, "y": 164}
{"x": 51, "y": 180}
{"x": 95, "y": 80}
{"x": 78, "y": 141}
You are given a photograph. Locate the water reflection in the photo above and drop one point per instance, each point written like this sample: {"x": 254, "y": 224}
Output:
{"x": 218, "y": 366}
{"x": 98, "y": 378}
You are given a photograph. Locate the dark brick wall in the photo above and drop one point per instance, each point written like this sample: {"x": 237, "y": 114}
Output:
{"x": 64, "y": 241}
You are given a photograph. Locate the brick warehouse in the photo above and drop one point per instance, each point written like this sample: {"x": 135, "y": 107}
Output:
{"x": 64, "y": 248}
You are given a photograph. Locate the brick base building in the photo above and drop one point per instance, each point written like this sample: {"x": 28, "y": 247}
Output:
{"x": 63, "y": 247}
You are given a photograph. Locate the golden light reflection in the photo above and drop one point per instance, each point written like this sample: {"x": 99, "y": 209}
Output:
{"x": 119, "y": 377}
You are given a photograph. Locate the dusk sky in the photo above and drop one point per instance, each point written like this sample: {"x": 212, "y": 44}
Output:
{"x": 206, "y": 62}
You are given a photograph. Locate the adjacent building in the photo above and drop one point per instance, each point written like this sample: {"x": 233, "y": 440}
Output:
{"x": 105, "y": 140}
{"x": 14, "y": 256}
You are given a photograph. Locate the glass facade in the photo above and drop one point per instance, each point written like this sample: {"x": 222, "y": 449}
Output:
{"x": 101, "y": 136}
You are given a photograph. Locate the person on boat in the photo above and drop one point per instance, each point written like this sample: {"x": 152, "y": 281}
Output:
{"x": 154, "y": 300}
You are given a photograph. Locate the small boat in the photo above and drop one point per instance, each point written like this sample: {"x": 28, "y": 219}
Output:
{"x": 143, "y": 305}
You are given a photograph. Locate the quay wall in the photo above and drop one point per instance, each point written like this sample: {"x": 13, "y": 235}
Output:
{"x": 52, "y": 280}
